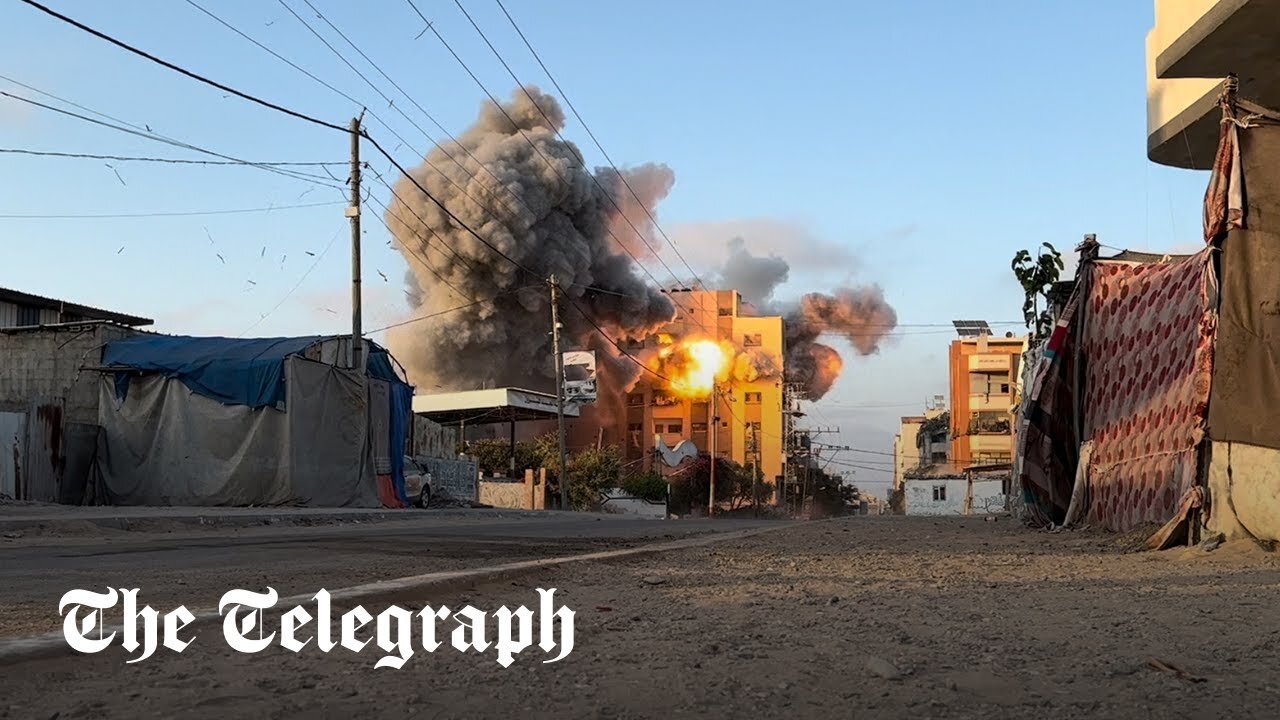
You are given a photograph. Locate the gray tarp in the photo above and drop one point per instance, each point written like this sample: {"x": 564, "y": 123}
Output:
{"x": 1246, "y": 366}
{"x": 165, "y": 445}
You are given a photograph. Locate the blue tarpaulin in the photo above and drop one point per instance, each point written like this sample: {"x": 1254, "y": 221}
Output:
{"x": 233, "y": 371}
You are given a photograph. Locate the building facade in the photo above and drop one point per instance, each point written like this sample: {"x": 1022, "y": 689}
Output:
{"x": 984, "y": 372}
{"x": 19, "y": 309}
{"x": 750, "y": 407}
{"x": 1193, "y": 46}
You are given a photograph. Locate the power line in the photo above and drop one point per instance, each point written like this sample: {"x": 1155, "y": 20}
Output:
{"x": 473, "y": 303}
{"x": 182, "y": 213}
{"x": 296, "y": 285}
{"x": 296, "y": 175}
{"x": 608, "y": 196}
{"x": 586, "y": 127}
{"x": 183, "y": 71}
{"x": 175, "y": 161}
{"x": 279, "y": 108}
{"x": 415, "y": 103}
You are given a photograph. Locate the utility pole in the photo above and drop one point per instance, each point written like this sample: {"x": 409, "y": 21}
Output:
{"x": 714, "y": 431}
{"x": 353, "y": 212}
{"x": 555, "y": 345}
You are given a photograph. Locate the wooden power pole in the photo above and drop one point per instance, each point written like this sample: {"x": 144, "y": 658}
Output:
{"x": 555, "y": 347}
{"x": 353, "y": 212}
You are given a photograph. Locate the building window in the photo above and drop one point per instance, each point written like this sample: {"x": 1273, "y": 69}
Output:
{"x": 657, "y": 429}
{"x": 28, "y": 316}
{"x": 939, "y": 458}
{"x": 989, "y": 423}
{"x": 675, "y": 428}
{"x": 752, "y": 398}
{"x": 698, "y": 427}
{"x": 752, "y": 340}
{"x": 633, "y": 434}
{"x": 988, "y": 384}
{"x": 725, "y": 312}
{"x": 939, "y": 493}
{"x": 633, "y": 344}
{"x": 635, "y": 400}
{"x": 660, "y": 398}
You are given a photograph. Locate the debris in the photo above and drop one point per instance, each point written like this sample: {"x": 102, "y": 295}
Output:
{"x": 224, "y": 260}
{"x": 653, "y": 580}
{"x": 834, "y": 601}
{"x": 117, "y": 172}
{"x": 1213, "y": 542}
{"x": 310, "y": 253}
{"x": 383, "y": 276}
{"x": 120, "y": 250}
{"x": 264, "y": 251}
{"x": 603, "y": 608}
{"x": 883, "y": 668}
{"x": 1174, "y": 670}
{"x": 14, "y": 535}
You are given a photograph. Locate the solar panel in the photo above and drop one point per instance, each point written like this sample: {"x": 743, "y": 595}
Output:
{"x": 971, "y": 328}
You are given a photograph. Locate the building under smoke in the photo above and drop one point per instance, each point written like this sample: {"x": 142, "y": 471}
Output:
{"x": 522, "y": 206}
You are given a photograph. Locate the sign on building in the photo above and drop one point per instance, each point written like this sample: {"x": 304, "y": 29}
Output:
{"x": 580, "y": 376}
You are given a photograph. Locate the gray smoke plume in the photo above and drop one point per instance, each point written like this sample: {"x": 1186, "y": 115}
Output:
{"x": 753, "y": 276}
{"x": 859, "y": 314}
{"x": 525, "y": 191}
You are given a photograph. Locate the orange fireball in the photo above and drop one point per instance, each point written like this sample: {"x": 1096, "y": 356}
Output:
{"x": 694, "y": 367}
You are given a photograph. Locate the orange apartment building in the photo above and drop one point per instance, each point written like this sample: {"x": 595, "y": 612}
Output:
{"x": 984, "y": 370}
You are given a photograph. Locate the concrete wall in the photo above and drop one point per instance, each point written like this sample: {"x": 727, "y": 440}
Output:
{"x": 432, "y": 439}
{"x": 506, "y": 494}
{"x": 47, "y": 363}
{"x": 988, "y": 496}
{"x": 528, "y": 494}
{"x": 456, "y": 478}
{"x": 1244, "y": 484}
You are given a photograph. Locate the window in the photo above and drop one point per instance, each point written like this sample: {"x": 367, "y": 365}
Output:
{"x": 939, "y": 458}
{"x": 28, "y": 316}
{"x": 635, "y": 400}
{"x": 675, "y": 428}
{"x": 725, "y": 312}
{"x": 752, "y": 340}
{"x": 939, "y": 493}
{"x": 660, "y": 398}
{"x": 988, "y": 384}
{"x": 657, "y": 429}
{"x": 699, "y": 427}
{"x": 633, "y": 434}
{"x": 635, "y": 344}
{"x": 752, "y": 398}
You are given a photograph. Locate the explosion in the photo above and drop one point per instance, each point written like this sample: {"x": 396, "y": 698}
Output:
{"x": 511, "y": 179}
{"x": 694, "y": 367}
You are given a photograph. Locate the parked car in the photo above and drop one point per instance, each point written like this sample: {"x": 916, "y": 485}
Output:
{"x": 417, "y": 483}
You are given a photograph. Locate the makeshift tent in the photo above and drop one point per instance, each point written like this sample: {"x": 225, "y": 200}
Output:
{"x": 1148, "y": 345}
{"x": 220, "y": 421}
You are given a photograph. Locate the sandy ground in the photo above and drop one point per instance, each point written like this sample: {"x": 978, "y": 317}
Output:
{"x": 860, "y": 617}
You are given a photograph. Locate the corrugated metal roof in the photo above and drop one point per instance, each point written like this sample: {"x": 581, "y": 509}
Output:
{"x": 84, "y": 311}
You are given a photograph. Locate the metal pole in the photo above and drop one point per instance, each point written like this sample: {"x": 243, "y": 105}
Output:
{"x": 353, "y": 212}
{"x": 555, "y": 347}
{"x": 711, "y": 444}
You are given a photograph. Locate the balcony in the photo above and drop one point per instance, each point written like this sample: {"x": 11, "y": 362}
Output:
{"x": 1193, "y": 46}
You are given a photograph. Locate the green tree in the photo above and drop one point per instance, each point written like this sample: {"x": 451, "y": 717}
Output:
{"x": 649, "y": 486}
{"x": 1037, "y": 274}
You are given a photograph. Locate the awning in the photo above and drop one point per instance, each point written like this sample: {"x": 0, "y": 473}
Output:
{"x": 485, "y": 407}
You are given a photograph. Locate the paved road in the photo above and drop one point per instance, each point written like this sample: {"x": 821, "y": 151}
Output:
{"x": 859, "y": 617}
{"x": 195, "y": 567}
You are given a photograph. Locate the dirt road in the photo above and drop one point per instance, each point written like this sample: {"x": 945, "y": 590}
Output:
{"x": 861, "y": 617}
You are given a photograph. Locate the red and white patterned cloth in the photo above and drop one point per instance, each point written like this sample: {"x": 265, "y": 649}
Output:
{"x": 1149, "y": 348}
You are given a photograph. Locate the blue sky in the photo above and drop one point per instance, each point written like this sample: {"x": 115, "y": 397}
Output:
{"x": 915, "y": 144}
